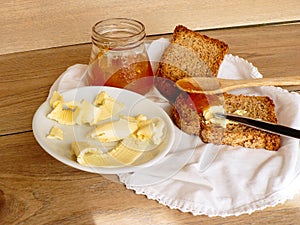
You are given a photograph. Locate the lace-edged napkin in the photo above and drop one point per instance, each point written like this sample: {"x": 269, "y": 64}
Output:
{"x": 239, "y": 180}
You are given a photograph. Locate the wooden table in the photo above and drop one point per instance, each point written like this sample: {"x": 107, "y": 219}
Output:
{"x": 37, "y": 189}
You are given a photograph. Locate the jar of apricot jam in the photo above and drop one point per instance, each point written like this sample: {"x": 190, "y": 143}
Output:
{"x": 119, "y": 57}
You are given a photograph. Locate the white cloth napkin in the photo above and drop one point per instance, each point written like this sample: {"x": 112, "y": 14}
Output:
{"x": 239, "y": 180}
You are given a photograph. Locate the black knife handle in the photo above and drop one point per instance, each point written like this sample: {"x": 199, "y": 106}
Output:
{"x": 266, "y": 126}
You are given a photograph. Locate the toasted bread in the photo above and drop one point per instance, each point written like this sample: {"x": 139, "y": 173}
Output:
{"x": 188, "y": 117}
{"x": 189, "y": 54}
{"x": 193, "y": 54}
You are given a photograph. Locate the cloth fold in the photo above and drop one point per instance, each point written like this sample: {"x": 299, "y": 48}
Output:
{"x": 239, "y": 180}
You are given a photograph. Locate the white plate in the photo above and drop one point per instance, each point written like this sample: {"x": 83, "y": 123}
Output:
{"x": 134, "y": 104}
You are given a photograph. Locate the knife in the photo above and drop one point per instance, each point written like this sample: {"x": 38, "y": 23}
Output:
{"x": 262, "y": 125}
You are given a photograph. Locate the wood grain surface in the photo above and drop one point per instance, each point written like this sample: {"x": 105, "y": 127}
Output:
{"x": 26, "y": 77}
{"x": 37, "y": 189}
{"x": 28, "y": 25}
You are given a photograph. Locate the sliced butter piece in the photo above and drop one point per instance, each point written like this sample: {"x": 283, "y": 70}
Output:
{"x": 148, "y": 136}
{"x": 56, "y": 98}
{"x": 55, "y": 133}
{"x": 65, "y": 113}
{"x": 132, "y": 142}
{"x": 89, "y": 155}
{"x": 124, "y": 155}
{"x": 109, "y": 108}
{"x": 140, "y": 119}
{"x": 104, "y": 160}
{"x": 80, "y": 148}
{"x": 99, "y": 99}
{"x": 113, "y": 131}
{"x": 151, "y": 129}
{"x": 88, "y": 113}
{"x": 108, "y": 105}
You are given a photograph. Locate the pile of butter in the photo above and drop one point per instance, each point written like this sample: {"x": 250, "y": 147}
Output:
{"x": 83, "y": 112}
{"x": 211, "y": 119}
{"x": 134, "y": 137}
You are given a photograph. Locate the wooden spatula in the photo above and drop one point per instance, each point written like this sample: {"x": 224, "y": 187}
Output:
{"x": 211, "y": 85}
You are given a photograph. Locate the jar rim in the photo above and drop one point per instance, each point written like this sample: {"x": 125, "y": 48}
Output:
{"x": 106, "y": 29}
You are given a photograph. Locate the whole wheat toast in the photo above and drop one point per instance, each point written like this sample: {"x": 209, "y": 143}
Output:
{"x": 193, "y": 54}
{"x": 189, "y": 54}
{"x": 187, "y": 116}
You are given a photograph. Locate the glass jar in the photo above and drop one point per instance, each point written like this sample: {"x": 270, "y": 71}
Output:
{"x": 119, "y": 57}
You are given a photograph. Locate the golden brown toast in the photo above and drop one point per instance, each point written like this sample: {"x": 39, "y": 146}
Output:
{"x": 190, "y": 119}
{"x": 193, "y": 54}
{"x": 189, "y": 54}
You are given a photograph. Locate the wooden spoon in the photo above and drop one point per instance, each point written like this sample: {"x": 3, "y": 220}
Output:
{"x": 212, "y": 85}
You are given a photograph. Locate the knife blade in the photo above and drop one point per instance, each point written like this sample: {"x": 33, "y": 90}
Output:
{"x": 262, "y": 125}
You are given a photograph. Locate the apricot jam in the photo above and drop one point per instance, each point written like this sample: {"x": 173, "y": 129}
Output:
{"x": 136, "y": 77}
{"x": 202, "y": 102}
{"x": 119, "y": 57}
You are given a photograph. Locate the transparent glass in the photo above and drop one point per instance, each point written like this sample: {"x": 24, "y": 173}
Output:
{"x": 119, "y": 57}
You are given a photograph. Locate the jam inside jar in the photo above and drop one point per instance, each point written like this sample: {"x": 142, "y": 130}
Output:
{"x": 119, "y": 57}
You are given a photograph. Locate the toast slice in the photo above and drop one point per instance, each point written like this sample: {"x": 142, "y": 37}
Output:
{"x": 191, "y": 119}
{"x": 189, "y": 54}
